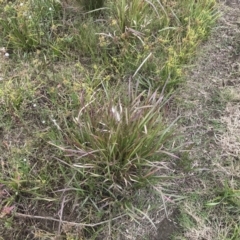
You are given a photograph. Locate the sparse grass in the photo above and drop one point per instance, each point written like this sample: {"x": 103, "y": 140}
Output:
{"x": 217, "y": 218}
{"x": 84, "y": 100}
{"x": 211, "y": 110}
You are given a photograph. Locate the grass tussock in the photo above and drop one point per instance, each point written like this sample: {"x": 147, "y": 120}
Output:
{"x": 117, "y": 146}
{"x": 84, "y": 94}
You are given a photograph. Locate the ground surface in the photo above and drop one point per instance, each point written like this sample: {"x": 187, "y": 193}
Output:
{"x": 208, "y": 171}
{"x": 209, "y": 104}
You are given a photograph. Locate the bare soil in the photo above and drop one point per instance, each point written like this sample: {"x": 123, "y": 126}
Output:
{"x": 169, "y": 226}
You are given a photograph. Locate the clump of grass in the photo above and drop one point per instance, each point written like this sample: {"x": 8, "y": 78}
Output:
{"x": 29, "y": 25}
{"x": 117, "y": 145}
{"x": 229, "y": 197}
{"x": 132, "y": 14}
{"x": 92, "y": 4}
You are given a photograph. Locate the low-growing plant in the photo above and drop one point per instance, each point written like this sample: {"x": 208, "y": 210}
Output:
{"x": 116, "y": 145}
{"x": 132, "y": 14}
{"x": 228, "y": 197}
{"x": 92, "y": 4}
{"x": 29, "y": 25}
